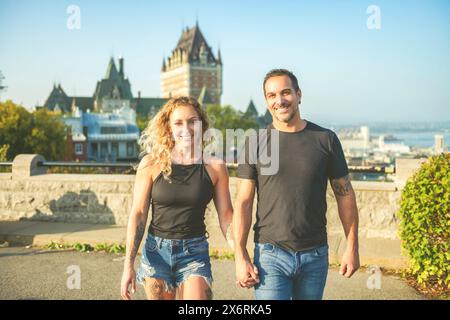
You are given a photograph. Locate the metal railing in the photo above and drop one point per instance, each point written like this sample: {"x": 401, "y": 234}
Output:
{"x": 372, "y": 169}
{"x": 49, "y": 164}
{"x": 86, "y": 164}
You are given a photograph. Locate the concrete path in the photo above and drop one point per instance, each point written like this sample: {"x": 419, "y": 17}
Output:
{"x": 40, "y": 233}
{"x": 34, "y": 273}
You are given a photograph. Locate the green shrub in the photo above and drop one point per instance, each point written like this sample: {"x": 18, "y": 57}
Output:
{"x": 86, "y": 247}
{"x": 57, "y": 246}
{"x": 83, "y": 247}
{"x": 425, "y": 223}
{"x": 110, "y": 248}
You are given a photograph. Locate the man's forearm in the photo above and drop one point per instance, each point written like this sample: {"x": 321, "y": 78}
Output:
{"x": 242, "y": 220}
{"x": 348, "y": 213}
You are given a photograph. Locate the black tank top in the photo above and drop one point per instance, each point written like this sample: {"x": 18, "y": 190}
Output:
{"x": 179, "y": 206}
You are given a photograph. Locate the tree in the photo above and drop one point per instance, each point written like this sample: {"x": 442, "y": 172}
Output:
{"x": 142, "y": 122}
{"x": 2, "y": 87}
{"x": 227, "y": 117}
{"x": 15, "y": 125}
{"x": 223, "y": 118}
{"x": 39, "y": 132}
{"x": 48, "y": 135}
{"x": 3, "y": 151}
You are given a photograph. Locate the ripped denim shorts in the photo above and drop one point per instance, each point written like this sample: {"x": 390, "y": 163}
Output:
{"x": 174, "y": 261}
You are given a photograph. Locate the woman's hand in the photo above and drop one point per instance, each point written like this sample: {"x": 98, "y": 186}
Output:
{"x": 128, "y": 278}
{"x": 246, "y": 273}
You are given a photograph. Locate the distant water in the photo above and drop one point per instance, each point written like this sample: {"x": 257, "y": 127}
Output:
{"x": 411, "y": 134}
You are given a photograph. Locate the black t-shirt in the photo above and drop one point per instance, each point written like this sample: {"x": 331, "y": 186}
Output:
{"x": 291, "y": 208}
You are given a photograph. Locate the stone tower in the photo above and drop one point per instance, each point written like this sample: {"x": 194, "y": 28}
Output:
{"x": 192, "y": 69}
{"x": 113, "y": 90}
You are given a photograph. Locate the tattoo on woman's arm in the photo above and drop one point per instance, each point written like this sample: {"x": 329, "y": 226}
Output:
{"x": 140, "y": 229}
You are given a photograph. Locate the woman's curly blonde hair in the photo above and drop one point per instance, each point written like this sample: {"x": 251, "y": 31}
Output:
{"x": 157, "y": 141}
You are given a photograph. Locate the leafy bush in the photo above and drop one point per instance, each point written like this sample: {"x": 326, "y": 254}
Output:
{"x": 57, "y": 246}
{"x": 425, "y": 223}
{"x": 83, "y": 247}
{"x": 110, "y": 248}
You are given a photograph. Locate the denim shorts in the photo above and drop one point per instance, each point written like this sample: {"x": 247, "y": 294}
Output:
{"x": 174, "y": 261}
{"x": 290, "y": 275}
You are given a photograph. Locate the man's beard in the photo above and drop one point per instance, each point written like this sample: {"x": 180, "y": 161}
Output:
{"x": 289, "y": 118}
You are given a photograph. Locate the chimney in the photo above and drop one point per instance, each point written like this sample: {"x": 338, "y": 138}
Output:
{"x": 139, "y": 94}
{"x": 121, "y": 66}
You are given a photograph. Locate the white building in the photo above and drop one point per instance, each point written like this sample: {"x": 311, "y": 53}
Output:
{"x": 110, "y": 136}
{"x": 439, "y": 144}
{"x": 353, "y": 141}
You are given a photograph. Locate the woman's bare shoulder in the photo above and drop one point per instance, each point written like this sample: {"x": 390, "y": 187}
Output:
{"x": 148, "y": 167}
{"x": 145, "y": 163}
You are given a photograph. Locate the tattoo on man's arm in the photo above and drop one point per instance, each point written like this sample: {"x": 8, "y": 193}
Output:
{"x": 342, "y": 186}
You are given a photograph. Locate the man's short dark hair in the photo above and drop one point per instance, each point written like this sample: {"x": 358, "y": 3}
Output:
{"x": 281, "y": 72}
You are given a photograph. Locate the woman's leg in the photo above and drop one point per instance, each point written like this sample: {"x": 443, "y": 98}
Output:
{"x": 157, "y": 289}
{"x": 195, "y": 288}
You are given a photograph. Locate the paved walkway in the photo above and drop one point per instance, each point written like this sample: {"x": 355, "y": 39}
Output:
{"x": 33, "y": 273}
{"x": 39, "y": 233}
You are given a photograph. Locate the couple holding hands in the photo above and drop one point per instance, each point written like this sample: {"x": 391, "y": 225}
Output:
{"x": 290, "y": 258}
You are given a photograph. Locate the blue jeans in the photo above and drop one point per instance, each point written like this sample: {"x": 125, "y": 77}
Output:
{"x": 286, "y": 275}
{"x": 174, "y": 261}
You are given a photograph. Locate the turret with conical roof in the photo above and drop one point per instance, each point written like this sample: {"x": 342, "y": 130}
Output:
{"x": 267, "y": 118}
{"x": 113, "y": 86}
{"x": 58, "y": 99}
{"x": 251, "y": 110}
{"x": 111, "y": 71}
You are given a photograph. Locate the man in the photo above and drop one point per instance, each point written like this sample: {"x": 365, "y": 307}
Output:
{"x": 291, "y": 250}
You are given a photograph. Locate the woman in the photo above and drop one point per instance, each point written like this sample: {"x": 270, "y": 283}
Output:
{"x": 179, "y": 182}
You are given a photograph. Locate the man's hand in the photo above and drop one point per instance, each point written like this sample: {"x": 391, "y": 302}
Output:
{"x": 350, "y": 262}
{"x": 348, "y": 213}
{"x": 246, "y": 273}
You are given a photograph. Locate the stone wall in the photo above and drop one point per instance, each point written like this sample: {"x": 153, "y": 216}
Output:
{"x": 80, "y": 198}
{"x": 28, "y": 193}
{"x": 377, "y": 203}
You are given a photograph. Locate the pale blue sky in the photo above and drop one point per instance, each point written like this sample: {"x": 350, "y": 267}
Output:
{"x": 347, "y": 72}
